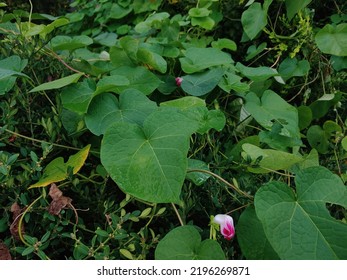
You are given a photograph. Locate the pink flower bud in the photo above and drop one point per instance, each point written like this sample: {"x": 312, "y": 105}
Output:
{"x": 226, "y": 224}
{"x": 178, "y": 81}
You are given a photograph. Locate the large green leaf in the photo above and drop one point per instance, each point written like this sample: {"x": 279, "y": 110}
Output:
{"x": 269, "y": 160}
{"x": 271, "y": 109}
{"x": 298, "y": 225}
{"x": 59, "y": 83}
{"x": 252, "y": 239}
{"x": 293, "y": 7}
{"x": 105, "y": 109}
{"x": 149, "y": 162}
{"x": 199, "y": 84}
{"x": 197, "y": 59}
{"x": 77, "y": 97}
{"x": 253, "y": 20}
{"x": 57, "y": 170}
{"x": 333, "y": 39}
{"x": 291, "y": 67}
{"x": 257, "y": 74}
{"x": 184, "y": 243}
{"x": 152, "y": 59}
{"x": 139, "y": 78}
{"x": 70, "y": 43}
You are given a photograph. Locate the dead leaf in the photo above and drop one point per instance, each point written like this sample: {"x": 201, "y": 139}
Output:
{"x": 4, "y": 252}
{"x": 59, "y": 201}
{"x": 16, "y": 213}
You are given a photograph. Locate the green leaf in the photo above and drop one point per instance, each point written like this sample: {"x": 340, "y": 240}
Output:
{"x": 305, "y": 116}
{"x": 269, "y": 160}
{"x": 149, "y": 162}
{"x": 224, "y": 43}
{"x": 293, "y": 7}
{"x": 184, "y": 243}
{"x": 333, "y": 39}
{"x": 80, "y": 251}
{"x": 104, "y": 110}
{"x": 318, "y": 139}
{"x": 197, "y": 59}
{"x": 252, "y": 239}
{"x": 257, "y": 74}
{"x": 253, "y": 20}
{"x": 139, "y": 78}
{"x": 202, "y": 83}
{"x": 205, "y": 22}
{"x": 291, "y": 67}
{"x": 344, "y": 143}
{"x": 185, "y": 103}
{"x": 198, "y": 178}
{"x": 111, "y": 84}
{"x": 70, "y": 43}
{"x": 298, "y": 225}
{"x": 118, "y": 12}
{"x": 58, "y": 83}
{"x": 199, "y": 12}
{"x": 233, "y": 82}
{"x": 57, "y": 169}
{"x": 253, "y": 50}
{"x": 77, "y": 97}
{"x": 154, "y": 60}
{"x": 270, "y": 109}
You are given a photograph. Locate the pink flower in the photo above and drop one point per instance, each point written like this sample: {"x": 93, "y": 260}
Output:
{"x": 178, "y": 81}
{"x": 226, "y": 224}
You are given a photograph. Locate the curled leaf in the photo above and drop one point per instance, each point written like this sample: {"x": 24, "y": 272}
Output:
{"x": 59, "y": 201}
{"x": 4, "y": 252}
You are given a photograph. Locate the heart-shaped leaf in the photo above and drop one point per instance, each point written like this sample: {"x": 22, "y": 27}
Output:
{"x": 197, "y": 59}
{"x": 254, "y": 19}
{"x": 202, "y": 83}
{"x": 298, "y": 225}
{"x": 149, "y": 162}
{"x": 133, "y": 106}
{"x": 252, "y": 239}
{"x": 57, "y": 169}
{"x": 184, "y": 243}
{"x": 333, "y": 39}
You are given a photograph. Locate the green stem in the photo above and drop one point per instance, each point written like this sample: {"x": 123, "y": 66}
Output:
{"x": 222, "y": 180}
{"x": 178, "y": 214}
{"x": 21, "y": 220}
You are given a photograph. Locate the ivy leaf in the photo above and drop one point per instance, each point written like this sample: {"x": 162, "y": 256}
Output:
{"x": 105, "y": 109}
{"x": 184, "y": 243}
{"x": 299, "y": 226}
{"x": 149, "y": 161}
{"x": 57, "y": 169}
{"x": 333, "y": 39}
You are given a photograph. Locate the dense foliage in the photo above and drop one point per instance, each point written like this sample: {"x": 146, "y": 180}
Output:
{"x": 127, "y": 125}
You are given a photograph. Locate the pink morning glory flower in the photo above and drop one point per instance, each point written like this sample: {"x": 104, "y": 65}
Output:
{"x": 226, "y": 224}
{"x": 178, "y": 81}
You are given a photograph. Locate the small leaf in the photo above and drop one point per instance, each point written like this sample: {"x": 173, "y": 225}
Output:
{"x": 125, "y": 253}
{"x": 184, "y": 243}
{"x": 291, "y": 67}
{"x": 293, "y": 7}
{"x": 58, "y": 83}
{"x": 154, "y": 60}
{"x": 224, "y": 44}
{"x": 57, "y": 170}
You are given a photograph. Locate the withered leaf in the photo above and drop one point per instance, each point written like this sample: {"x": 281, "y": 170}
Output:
{"x": 59, "y": 201}
{"x": 4, "y": 252}
{"x": 16, "y": 212}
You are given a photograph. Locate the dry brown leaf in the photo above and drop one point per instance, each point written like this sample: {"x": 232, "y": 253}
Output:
{"x": 4, "y": 252}
{"x": 59, "y": 201}
{"x": 16, "y": 212}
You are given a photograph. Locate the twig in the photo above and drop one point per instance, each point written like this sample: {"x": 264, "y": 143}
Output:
{"x": 178, "y": 214}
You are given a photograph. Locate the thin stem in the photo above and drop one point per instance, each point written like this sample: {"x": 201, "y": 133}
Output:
{"x": 39, "y": 141}
{"x": 21, "y": 220}
{"x": 178, "y": 214}
{"x": 222, "y": 180}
